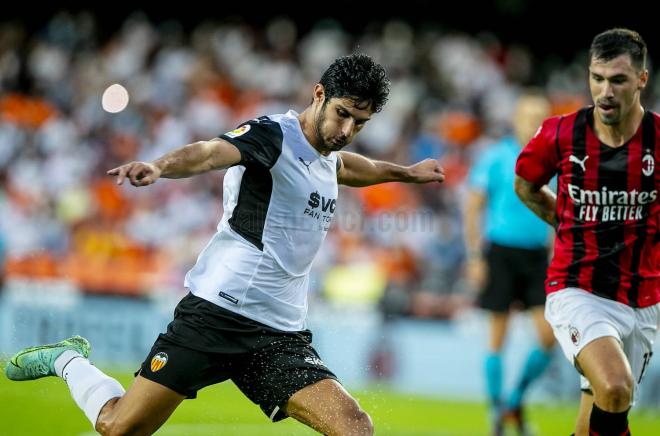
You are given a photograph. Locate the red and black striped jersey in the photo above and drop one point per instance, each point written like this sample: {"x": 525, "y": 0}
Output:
{"x": 608, "y": 211}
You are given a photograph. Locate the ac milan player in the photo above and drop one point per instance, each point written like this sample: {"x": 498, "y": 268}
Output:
{"x": 603, "y": 283}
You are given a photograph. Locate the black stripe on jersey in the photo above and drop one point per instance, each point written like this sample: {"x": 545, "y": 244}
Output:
{"x": 579, "y": 150}
{"x": 249, "y": 215}
{"x": 648, "y": 184}
{"x": 260, "y": 149}
{"x": 557, "y": 147}
{"x": 556, "y": 187}
{"x": 610, "y": 235}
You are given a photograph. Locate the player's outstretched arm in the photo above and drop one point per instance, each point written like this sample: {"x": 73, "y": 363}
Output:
{"x": 357, "y": 170}
{"x": 540, "y": 200}
{"x": 186, "y": 161}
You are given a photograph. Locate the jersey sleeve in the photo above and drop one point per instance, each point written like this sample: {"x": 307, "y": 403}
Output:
{"x": 539, "y": 160}
{"x": 258, "y": 140}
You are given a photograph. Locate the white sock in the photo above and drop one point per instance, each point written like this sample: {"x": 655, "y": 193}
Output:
{"x": 90, "y": 388}
{"x": 63, "y": 359}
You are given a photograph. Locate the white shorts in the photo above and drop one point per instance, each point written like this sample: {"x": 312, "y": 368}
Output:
{"x": 578, "y": 317}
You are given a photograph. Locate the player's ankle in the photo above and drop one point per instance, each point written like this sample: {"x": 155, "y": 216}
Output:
{"x": 603, "y": 422}
{"x": 64, "y": 359}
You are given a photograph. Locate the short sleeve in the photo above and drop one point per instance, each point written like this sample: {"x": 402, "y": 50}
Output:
{"x": 258, "y": 140}
{"x": 539, "y": 160}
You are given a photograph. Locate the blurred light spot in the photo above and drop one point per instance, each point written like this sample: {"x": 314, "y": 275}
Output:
{"x": 115, "y": 98}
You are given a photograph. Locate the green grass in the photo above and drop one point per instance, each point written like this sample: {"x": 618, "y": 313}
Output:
{"x": 44, "y": 408}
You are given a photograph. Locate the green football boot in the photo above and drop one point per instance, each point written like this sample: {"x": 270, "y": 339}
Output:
{"x": 36, "y": 362}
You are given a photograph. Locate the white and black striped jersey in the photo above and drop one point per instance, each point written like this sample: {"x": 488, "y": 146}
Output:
{"x": 278, "y": 205}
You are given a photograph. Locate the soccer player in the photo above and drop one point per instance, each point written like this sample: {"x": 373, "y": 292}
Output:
{"x": 514, "y": 262}
{"x": 244, "y": 318}
{"x": 603, "y": 283}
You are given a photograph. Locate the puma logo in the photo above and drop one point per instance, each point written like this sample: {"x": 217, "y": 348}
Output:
{"x": 306, "y": 164}
{"x": 582, "y": 162}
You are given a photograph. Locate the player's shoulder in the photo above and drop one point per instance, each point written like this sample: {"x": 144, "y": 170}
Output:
{"x": 551, "y": 128}
{"x": 264, "y": 122}
{"x": 276, "y": 124}
{"x": 547, "y": 131}
{"x": 656, "y": 117}
{"x": 656, "y": 126}
{"x": 266, "y": 127}
{"x": 551, "y": 124}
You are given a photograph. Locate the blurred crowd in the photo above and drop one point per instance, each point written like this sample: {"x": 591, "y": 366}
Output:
{"x": 393, "y": 245}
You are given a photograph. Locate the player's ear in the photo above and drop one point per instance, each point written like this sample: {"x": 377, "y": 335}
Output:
{"x": 319, "y": 93}
{"x": 643, "y": 79}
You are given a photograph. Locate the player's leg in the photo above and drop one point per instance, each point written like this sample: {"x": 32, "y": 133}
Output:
{"x": 286, "y": 377}
{"x": 638, "y": 349}
{"x": 170, "y": 373}
{"x": 97, "y": 394}
{"x": 496, "y": 298}
{"x": 584, "y": 413}
{"x": 493, "y": 370}
{"x": 605, "y": 365}
{"x": 538, "y": 359}
{"x": 530, "y": 267}
{"x": 90, "y": 388}
{"x": 590, "y": 331}
{"x": 141, "y": 411}
{"x": 615, "y": 370}
{"x": 328, "y": 408}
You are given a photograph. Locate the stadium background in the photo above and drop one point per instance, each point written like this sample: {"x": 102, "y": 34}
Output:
{"x": 391, "y": 310}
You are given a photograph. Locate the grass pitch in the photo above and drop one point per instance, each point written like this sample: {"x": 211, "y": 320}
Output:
{"x": 44, "y": 407}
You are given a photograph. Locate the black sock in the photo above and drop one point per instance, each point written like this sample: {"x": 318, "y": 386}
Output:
{"x": 604, "y": 423}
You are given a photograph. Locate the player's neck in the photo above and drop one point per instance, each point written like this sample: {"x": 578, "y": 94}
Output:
{"x": 616, "y": 135}
{"x": 306, "y": 120}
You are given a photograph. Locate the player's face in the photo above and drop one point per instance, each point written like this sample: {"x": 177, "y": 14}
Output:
{"x": 338, "y": 121}
{"x": 615, "y": 87}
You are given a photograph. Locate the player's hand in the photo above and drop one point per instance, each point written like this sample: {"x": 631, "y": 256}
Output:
{"x": 428, "y": 170}
{"x": 139, "y": 173}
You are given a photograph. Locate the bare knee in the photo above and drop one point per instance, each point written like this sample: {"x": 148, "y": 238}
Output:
{"x": 105, "y": 418}
{"x": 121, "y": 428}
{"x": 110, "y": 424}
{"x": 616, "y": 395}
{"x": 356, "y": 422}
{"x": 364, "y": 422}
{"x": 351, "y": 421}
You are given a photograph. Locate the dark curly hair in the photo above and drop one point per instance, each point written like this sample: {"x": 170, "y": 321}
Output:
{"x": 616, "y": 42}
{"x": 357, "y": 77}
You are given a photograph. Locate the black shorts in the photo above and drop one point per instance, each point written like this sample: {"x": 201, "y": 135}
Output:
{"x": 515, "y": 275}
{"x": 206, "y": 344}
